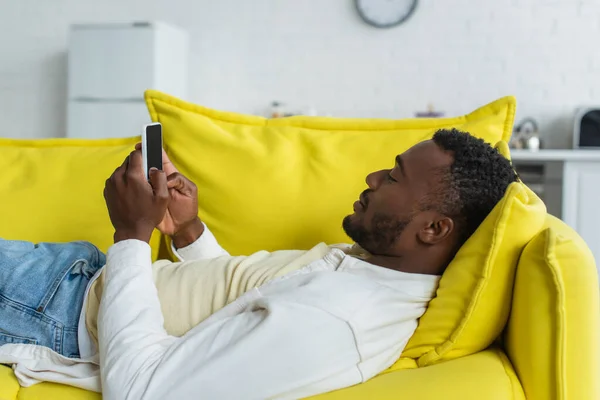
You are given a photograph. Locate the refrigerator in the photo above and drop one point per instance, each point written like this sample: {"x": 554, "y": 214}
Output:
{"x": 109, "y": 68}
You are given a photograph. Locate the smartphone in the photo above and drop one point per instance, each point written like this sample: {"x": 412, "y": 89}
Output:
{"x": 152, "y": 147}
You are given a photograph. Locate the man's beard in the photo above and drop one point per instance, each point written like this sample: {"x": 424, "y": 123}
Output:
{"x": 385, "y": 230}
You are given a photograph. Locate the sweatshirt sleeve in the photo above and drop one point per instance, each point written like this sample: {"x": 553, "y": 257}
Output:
{"x": 204, "y": 248}
{"x": 267, "y": 349}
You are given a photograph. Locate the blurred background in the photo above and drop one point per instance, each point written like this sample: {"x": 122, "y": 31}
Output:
{"x": 320, "y": 57}
{"x": 79, "y": 68}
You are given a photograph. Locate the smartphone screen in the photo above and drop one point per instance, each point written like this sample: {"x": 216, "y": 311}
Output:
{"x": 153, "y": 147}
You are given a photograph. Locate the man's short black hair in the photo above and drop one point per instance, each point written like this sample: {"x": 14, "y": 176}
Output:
{"x": 476, "y": 181}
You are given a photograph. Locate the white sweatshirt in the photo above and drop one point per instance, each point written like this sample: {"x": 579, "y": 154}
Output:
{"x": 336, "y": 322}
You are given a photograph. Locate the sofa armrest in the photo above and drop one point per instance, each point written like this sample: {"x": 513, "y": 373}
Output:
{"x": 553, "y": 333}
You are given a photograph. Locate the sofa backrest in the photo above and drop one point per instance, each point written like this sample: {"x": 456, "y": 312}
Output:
{"x": 553, "y": 333}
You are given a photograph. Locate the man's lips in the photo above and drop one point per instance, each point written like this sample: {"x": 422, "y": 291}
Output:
{"x": 363, "y": 200}
{"x": 360, "y": 204}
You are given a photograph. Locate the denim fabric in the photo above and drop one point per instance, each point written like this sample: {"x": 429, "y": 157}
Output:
{"x": 42, "y": 288}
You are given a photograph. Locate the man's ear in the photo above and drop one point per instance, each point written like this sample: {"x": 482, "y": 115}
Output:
{"x": 436, "y": 230}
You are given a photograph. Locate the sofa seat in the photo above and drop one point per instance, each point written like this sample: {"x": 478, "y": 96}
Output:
{"x": 486, "y": 375}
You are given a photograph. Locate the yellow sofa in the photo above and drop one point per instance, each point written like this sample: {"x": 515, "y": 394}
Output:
{"x": 550, "y": 348}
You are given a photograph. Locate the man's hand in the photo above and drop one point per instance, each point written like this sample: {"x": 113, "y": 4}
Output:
{"x": 135, "y": 207}
{"x": 181, "y": 220}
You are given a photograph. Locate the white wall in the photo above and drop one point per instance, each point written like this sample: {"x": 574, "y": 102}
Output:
{"x": 457, "y": 54}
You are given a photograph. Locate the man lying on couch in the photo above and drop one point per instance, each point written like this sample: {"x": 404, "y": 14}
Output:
{"x": 286, "y": 324}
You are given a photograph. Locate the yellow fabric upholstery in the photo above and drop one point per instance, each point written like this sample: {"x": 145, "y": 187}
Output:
{"x": 9, "y": 387}
{"x": 553, "y": 332}
{"x": 52, "y": 189}
{"x": 474, "y": 296}
{"x": 257, "y": 178}
{"x": 503, "y": 149}
{"x": 9, "y": 390}
{"x": 486, "y": 375}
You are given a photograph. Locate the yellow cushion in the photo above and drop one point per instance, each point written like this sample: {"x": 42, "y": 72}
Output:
{"x": 486, "y": 375}
{"x": 553, "y": 332}
{"x": 287, "y": 183}
{"x": 503, "y": 148}
{"x": 474, "y": 296}
{"x": 52, "y": 190}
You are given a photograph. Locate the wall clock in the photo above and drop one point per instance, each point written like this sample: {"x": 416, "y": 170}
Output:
{"x": 385, "y": 13}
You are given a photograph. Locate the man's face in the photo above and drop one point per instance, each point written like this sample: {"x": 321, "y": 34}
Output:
{"x": 391, "y": 204}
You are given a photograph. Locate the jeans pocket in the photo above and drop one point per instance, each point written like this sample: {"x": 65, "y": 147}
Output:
{"x": 7, "y": 338}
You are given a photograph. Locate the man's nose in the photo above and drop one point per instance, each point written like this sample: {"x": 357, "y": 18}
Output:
{"x": 373, "y": 179}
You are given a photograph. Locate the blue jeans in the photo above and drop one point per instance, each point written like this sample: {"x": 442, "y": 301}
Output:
{"x": 42, "y": 289}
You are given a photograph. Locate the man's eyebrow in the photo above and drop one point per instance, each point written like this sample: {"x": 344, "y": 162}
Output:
{"x": 400, "y": 164}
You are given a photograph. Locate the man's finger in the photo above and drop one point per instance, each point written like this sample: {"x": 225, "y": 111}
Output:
{"x": 122, "y": 170}
{"x": 136, "y": 165}
{"x": 119, "y": 174}
{"x": 175, "y": 181}
{"x": 138, "y": 146}
{"x": 158, "y": 180}
{"x": 105, "y": 192}
{"x": 124, "y": 164}
{"x": 168, "y": 166}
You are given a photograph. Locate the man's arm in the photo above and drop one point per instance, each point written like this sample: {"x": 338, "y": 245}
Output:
{"x": 279, "y": 349}
{"x": 283, "y": 349}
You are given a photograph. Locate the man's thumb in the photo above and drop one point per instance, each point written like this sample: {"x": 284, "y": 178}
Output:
{"x": 180, "y": 183}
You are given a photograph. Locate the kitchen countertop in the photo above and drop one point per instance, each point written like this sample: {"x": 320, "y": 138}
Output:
{"x": 556, "y": 155}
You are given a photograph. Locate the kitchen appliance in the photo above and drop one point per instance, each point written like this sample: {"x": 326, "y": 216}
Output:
{"x": 586, "y": 130}
{"x": 526, "y": 136}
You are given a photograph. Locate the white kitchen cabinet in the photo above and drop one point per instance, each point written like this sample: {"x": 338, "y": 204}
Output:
{"x": 580, "y": 189}
{"x": 581, "y": 206}
{"x": 110, "y": 67}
